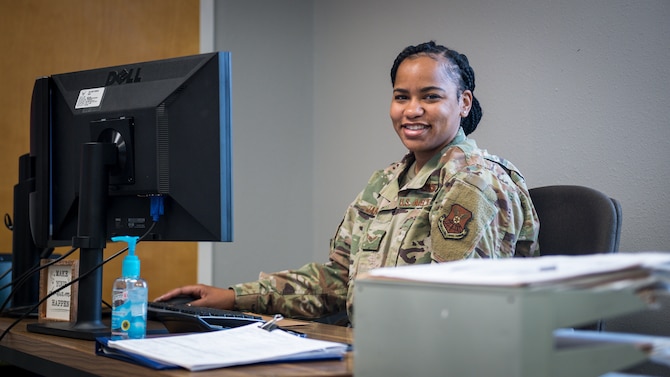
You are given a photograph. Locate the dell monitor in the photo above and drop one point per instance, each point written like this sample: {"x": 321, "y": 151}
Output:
{"x": 140, "y": 150}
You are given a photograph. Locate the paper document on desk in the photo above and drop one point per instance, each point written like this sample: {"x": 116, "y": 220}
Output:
{"x": 579, "y": 270}
{"x": 248, "y": 344}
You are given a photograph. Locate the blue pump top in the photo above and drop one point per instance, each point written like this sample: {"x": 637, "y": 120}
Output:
{"x": 131, "y": 263}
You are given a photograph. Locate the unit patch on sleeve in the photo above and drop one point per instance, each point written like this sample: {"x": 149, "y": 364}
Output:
{"x": 453, "y": 225}
{"x": 463, "y": 217}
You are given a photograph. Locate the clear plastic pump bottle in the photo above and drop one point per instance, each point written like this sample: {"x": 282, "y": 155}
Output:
{"x": 129, "y": 297}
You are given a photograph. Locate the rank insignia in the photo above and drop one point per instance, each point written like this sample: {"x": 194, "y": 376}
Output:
{"x": 452, "y": 225}
{"x": 373, "y": 240}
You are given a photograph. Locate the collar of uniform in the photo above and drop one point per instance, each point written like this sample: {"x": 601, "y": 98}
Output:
{"x": 426, "y": 171}
{"x": 391, "y": 190}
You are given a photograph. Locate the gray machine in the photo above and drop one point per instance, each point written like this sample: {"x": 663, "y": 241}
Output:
{"x": 408, "y": 328}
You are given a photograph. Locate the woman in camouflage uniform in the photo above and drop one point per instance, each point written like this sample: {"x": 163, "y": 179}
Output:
{"x": 445, "y": 200}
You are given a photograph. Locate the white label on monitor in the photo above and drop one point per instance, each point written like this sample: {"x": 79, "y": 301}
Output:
{"x": 89, "y": 98}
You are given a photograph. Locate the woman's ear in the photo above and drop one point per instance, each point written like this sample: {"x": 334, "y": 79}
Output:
{"x": 465, "y": 103}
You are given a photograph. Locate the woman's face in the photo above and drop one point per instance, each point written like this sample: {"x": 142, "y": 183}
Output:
{"x": 426, "y": 110}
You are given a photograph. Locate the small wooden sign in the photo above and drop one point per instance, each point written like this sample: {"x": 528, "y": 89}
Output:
{"x": 62, "y": 305}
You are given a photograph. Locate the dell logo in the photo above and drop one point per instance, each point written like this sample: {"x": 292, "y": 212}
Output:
{"x": 123, "y": 77}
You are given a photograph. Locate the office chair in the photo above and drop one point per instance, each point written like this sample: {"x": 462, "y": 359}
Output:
{"x": 577, "y": 220}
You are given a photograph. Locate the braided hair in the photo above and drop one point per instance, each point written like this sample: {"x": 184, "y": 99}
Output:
{"x": 458, "y": 69}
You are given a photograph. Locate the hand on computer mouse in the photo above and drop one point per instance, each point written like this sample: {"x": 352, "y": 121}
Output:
{"x": 180, "y": 300}
{"x": 203, "y": 295}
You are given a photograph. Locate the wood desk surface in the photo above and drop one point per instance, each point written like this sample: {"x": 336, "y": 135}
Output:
{"x": 53, "y": 355}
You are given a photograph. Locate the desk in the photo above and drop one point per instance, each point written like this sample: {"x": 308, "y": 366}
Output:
{"x": 56, "y": 356}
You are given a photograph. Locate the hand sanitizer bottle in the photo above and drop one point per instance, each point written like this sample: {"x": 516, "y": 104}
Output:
{"x": 129, "y": 297}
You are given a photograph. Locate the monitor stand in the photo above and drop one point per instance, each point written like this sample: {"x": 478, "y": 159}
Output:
{"x": 96, "y": 160}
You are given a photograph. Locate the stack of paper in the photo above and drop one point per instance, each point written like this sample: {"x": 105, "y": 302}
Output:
{"x": 582, "y": 270}
{"x": 248, "y": 344}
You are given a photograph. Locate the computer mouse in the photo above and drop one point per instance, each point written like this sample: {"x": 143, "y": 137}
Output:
{"x": 180, "y": 300}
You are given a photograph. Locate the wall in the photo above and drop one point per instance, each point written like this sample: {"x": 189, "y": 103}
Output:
{"x": 271, "y": 46}
{"x": 573, "y": 93}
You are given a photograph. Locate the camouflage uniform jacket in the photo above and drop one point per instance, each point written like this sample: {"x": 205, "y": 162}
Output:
{"x": 464, "y": 203}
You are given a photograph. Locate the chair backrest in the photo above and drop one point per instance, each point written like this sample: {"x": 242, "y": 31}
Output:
{"x": 576, "y": 220}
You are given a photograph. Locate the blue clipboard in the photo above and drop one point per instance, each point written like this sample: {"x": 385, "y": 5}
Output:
{"x": 102, "y": 349}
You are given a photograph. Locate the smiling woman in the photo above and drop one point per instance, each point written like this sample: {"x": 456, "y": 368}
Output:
{"x": 42, "y": 37}
{"x": 445, "y": 200}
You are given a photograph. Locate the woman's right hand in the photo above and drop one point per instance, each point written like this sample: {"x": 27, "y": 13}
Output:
{"x": 203, "y": 295}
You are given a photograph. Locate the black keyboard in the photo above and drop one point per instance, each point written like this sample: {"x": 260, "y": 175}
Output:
{"x": 181, "y": 318}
